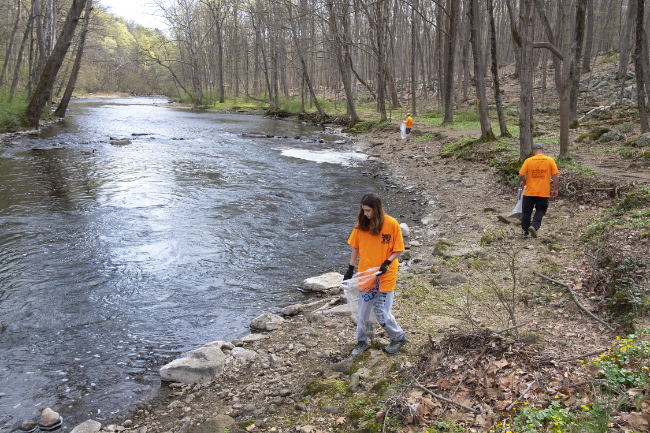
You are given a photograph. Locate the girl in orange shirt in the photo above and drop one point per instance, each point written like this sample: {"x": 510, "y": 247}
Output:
{"x": 377, "y": 241}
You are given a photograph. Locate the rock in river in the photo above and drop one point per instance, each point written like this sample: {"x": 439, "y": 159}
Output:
{"x": 49, "y": 419}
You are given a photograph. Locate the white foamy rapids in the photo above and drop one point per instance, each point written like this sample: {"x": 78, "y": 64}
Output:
{"x": 330, "y": 156}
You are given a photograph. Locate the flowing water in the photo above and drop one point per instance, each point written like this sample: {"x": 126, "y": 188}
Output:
{"x": 115, "y": 259}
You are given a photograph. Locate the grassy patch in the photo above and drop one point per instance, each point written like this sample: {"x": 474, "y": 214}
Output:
{"x": 632, "y": 211}
{"x": 552, "y": 140}
{"x": 11, "y": 115}
{"x": 329, "y": 387}
{"x": 370, "y": 125}
{"x": 469, "y": 120}
{"x": 424, "y": 138}
{"x": 501, "y": 154}
{"x": 609, "y": 59}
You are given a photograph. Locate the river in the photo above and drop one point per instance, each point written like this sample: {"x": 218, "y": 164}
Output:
{"x": 116, "y": 259}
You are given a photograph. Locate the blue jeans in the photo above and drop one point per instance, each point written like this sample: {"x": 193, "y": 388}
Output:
{"x": 381, "y": 303}
{"x": 528, "y": 203}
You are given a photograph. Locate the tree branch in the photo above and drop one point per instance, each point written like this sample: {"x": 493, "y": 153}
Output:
{"x": 549, "y": 46}
{"x": 575, "y": 299}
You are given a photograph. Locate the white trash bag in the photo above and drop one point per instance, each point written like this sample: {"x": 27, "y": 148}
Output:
{"x": 365, "y": 281}
{"x": 516, "y": 212}
{"x": 402, "y": 129}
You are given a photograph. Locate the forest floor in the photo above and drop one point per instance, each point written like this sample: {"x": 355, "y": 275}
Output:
{"x": 468, "y": 273}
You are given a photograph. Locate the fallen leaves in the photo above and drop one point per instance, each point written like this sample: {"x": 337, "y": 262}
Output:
{"x": 498, "y": 375}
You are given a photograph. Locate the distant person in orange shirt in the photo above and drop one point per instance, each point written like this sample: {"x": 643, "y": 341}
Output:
{"x": 409, "y": 125}
{"x": 377, "y": 241}
{"x": 536, "y": 175}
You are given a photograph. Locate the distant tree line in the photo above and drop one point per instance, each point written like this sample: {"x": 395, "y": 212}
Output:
{"x": 392, "y": 53}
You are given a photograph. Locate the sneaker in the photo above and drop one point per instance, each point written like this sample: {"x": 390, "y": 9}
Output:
{"x": 533, "y": 231}
{"x": 525, "y": 233}
{"x": 395, "y": 346}
{"x": 360, "y": 348}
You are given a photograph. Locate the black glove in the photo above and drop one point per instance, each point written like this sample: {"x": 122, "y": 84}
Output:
{"x": 384, "y": 267}
{"x": 349, "y": 273}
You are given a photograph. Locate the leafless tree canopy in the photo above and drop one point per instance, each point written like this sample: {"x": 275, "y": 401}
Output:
{"x": 388, "y": 54}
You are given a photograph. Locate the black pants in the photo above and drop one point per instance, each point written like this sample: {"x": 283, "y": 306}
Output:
{"x": 528, "y": 203}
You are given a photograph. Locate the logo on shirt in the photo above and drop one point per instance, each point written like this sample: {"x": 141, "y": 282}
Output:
{"x": 385, "y": 238}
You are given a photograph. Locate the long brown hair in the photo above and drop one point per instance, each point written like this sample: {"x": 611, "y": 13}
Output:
{"x": 376, "y": 221}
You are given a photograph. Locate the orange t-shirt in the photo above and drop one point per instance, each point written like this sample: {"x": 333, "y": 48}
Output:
{"x": 539, "y": 169}
{"x": 409, "y": 122}
{"x": 375, "y": 250}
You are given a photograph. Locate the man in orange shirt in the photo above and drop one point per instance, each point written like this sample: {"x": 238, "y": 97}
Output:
{"x": 535, "y": 175}
{"x": 409, "y": 125}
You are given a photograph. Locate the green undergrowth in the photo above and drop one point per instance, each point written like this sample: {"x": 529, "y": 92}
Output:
{"x": 557, "y": 418}
{"x": 620, "y": 276}
{"x": 625, "y": 365}
{"x": 609, "y": 59}
{"x": 11, "y": 115}
{"x": 367, "y": 125}
{"x": 623, "y": 371}
{"x": 631, "y": 211}
{"x": 501, "y": 154}
{"x": 470, "y": 120}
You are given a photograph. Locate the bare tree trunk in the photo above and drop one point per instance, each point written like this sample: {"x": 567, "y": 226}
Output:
{"x": 10, "y": 45}
{"x": 645, "y": 58}
{"x": 414, "y": 50}
{"x": 527, "y": 31}
{"x": 439, "y": 58}
{"x": 513, "y": 21}
{"x": 19, "y": 59}
{"x": 495, "y": 73}
{"x": 638, "y": 66}
{"x": 30, "y": 63}
{"x": 302, "y": 61}
{"x": 625, "y": 47}
{"x": 217, "y": 21}
{"x": 586, "y": 60}
{"x": 274, "y": 68}
{"x": 565, "y": 90}
{"x": 553, "y": 38}
{"x": 342, "y": 64}
{"x": 479, "y": 74}
{"x": 377, "y": 20}
{"x": 451, "y": 59}
{"x": 576, "y": 51}
{"x": 40, "y": 38}
{"x": 544, "y": 68}
{"x": 423, "y": 72}
{"x": 236, "y": 45}
{"x": 465, "y": 42}
{"x": 43, "y": 91}
{"x": 559, "y": 41}
{"x": 65, "y": 100}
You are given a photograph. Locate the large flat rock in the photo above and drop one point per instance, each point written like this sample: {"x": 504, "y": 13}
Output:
{"x": 197, "y": 366}
{"x": 323, "y": 283}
